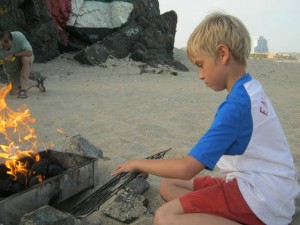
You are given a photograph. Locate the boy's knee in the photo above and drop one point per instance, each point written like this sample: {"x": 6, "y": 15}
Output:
{"x": 164, "y": 186}
{"x": 26, "y": 60}
{"x": 160, "y": 217}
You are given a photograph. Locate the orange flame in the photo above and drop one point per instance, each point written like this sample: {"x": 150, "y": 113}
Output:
{"x": 61, "y": 131}
{"x": 16, "y": 126}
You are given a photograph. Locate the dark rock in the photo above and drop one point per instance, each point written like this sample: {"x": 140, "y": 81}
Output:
{"x": 139, "y": 185}
{"x": 147, "y": 37}
{"x": 33, "y": 19}
{"x": 296, "y": 219}
{"x": 179, "y": 66}
{"x": 96, "y": 54}
{"x": 87, "y": 36}
{"x": 119, "y": 45}
{"x": 157, "y": 41}
{"x": 79, "y": 145}
{"x": 127, "y": 207}
{"x": 144, "y": 11}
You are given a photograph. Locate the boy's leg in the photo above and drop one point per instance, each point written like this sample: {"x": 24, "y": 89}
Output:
{"x": 172, "y": 213}
{"x": 171, "y": 189}
{"x": 26, "y": 83}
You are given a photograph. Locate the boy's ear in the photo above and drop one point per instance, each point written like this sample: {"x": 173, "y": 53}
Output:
{"x": 223, "y": 53}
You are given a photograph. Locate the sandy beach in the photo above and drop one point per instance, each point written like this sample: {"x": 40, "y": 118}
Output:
{"x": 131, "y": 115}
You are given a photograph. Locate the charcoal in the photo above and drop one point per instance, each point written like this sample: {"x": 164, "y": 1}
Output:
{"x": 3, "y": 171}
{"x": 54, "y": 170}
{"x": 46, "y": 167}
{"x": 5, "y": 187}
{"x": 43, "y": 155}
{"x": 29, "y": 160}
{"x": 54, "y": 161}
{"x": 17, "y": 187}
{"x": 40, "y": 167}
{"x": 21, "y": 178}
{"x": 33, "y": 181}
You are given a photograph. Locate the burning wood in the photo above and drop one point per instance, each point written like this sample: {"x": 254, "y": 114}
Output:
{"x": 21, "y": 167}
{"x": 38, "y": 168}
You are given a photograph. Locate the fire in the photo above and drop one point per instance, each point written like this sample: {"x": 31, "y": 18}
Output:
{"x": 18, "y": 138}
{"x": 61, "y": 131}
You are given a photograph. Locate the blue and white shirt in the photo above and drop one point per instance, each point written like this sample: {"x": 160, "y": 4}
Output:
{"x": 246, "y": 142}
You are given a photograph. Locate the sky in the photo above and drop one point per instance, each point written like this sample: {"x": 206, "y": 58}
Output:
{"x": 277, "y": 20}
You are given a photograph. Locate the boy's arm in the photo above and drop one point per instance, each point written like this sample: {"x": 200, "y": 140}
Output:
{"x": 19, "y": 53}
{"x": 177, "y": 168}
{"x": 11, "y": 56}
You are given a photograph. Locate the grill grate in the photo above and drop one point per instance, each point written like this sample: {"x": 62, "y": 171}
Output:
{"x": 94, "y": 201}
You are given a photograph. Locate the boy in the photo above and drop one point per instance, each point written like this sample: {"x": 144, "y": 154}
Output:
{"x": 16, "y": 53}
{"x": 245, "y": 140}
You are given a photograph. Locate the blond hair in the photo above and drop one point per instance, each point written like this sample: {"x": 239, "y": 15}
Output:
{"x": 218, "y": 28}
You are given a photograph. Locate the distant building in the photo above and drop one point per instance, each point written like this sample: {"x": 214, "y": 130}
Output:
{"x": 259, "y": 44}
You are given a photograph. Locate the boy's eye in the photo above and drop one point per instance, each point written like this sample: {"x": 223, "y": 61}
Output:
{"x": 199, "y": 65}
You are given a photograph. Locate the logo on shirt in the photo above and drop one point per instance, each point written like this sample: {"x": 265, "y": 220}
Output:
{"x": 263, "y": 106}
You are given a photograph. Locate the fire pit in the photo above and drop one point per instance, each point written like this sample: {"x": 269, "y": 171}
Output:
{"x": 81, "y": 173}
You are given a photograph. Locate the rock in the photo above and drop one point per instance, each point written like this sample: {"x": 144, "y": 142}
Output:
{"x": 33, "y": 19}
{"x": 51, "y": 216}
{"x": 91, "y": 21}
{"x": 139, "y": 185}
{"x": 155, "y": 46}
{"x": 296, "y": 219}
{"x": 119, "y": 29}
{"x": 147, "y": 37}
{"x": 143, "y": 11}
{"x": 118, "y": 44}
{"x": 60, "y": 11}
{"x": 97, "y": 54}
{"x": 179, "y": 66}
{"x": 127, "y": 207}
{"x": 79, "y": 145}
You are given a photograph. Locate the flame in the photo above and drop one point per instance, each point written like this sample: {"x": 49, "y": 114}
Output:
{"x": 61, "y": 131}
{"x": 18, "y": 138}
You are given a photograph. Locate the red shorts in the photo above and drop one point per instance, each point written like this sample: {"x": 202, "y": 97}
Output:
{"x": 217, "y": 197}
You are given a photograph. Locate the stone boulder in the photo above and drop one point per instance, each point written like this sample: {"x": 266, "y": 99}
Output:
{"x": 127, "y": 207}
{"x": 129, "y": 204}
{"x": 148, "y": 40}
{"x": 79, "y": 145}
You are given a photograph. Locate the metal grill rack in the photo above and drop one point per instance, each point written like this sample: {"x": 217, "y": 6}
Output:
{"x": 94, "y": 201}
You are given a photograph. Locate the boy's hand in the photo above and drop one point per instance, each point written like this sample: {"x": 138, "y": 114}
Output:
{"x": 129, "y": 167}
{"x": 9, "y": 58}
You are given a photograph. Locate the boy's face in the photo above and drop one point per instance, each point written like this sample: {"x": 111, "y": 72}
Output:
{"x": 212, "y": 72}
{"x": 6, "y": 43}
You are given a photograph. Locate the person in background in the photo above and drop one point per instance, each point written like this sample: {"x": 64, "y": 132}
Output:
{"x": 17, "y": 57}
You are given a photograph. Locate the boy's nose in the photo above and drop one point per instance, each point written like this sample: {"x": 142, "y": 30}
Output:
{"x": 201, "y": 76}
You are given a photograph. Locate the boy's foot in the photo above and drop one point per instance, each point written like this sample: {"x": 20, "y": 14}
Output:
{"x": 22, "y": 94}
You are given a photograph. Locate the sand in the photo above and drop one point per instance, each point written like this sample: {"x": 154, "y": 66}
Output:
{"x": 131, "y": 115}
